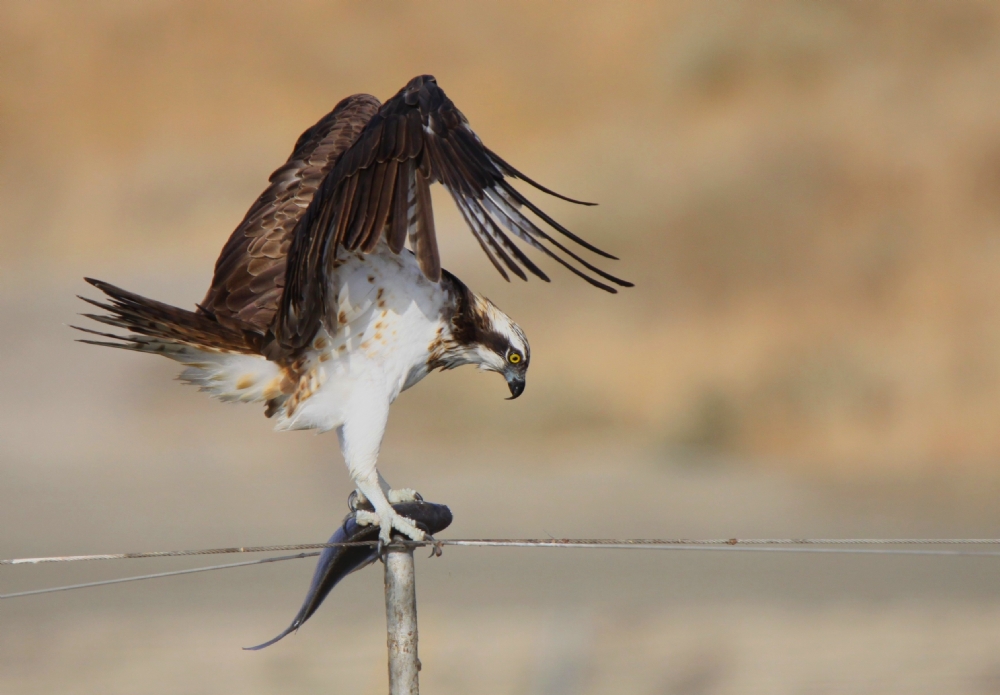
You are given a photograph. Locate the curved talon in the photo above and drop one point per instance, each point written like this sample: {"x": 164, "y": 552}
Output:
{"x": 357, "y": 501}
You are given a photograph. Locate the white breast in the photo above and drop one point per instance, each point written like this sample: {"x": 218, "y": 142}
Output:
{"x": 376, "y": 342}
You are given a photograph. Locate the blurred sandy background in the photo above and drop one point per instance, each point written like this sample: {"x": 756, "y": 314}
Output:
{"x": 807, "y": 195}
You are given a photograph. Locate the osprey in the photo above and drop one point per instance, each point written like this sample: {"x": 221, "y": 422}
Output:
{"x": 316, "y": 307}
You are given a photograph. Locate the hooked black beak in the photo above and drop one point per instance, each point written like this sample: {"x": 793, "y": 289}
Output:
{"x": 516, "y": 385}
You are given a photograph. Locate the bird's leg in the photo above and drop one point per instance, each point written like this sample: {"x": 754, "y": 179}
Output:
{"x": 360, "y": 439}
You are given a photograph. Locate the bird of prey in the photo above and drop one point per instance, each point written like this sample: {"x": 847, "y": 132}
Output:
{"x": 318, "y": 309}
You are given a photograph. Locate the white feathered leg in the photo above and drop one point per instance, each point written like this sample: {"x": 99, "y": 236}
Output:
{"x": 360, "y": 439}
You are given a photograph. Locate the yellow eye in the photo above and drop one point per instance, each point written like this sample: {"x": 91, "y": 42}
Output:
{"x": 513, "y": 358}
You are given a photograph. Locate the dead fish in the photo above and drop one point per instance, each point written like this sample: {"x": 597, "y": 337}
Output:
{"x": 339, "y": 561}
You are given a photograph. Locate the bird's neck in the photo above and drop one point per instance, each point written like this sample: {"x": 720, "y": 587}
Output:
{"x": 457, "y": 342}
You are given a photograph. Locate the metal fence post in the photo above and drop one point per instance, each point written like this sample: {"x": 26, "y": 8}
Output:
{"x": 401, "y": 620}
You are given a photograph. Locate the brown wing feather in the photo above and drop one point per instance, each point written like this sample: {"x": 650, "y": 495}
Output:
{"x": 379, "y": 188}
{"x": 250, "y": 273}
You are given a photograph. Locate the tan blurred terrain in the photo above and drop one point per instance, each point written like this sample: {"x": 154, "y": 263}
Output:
{"x": 807, "y": 195}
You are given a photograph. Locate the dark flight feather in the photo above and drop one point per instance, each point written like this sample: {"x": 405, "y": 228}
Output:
{"x": 159, "y": 321}
{"x": 379, "y": 188}
{"x": 362, "y": 174}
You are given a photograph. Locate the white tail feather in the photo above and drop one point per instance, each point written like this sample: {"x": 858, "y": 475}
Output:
{"x": 229, "y": 376}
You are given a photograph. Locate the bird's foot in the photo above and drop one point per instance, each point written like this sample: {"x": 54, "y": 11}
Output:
{"x": 403, "y": 495}
{"x": 358, "y": 503}
{"x": 388, "y": 522}
{"x": 357, "y": 500}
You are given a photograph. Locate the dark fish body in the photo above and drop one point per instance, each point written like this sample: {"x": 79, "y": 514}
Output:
{"x": 337, "y": 562}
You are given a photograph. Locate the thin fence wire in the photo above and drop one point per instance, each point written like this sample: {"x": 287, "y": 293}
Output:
{"x": 666, "y": 543}
{"x": 140, "y": 577}
{"x": 744, "y": 545}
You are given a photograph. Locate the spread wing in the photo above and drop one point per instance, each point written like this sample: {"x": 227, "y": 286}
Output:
{"x": 380, "y": 189}
{"x": 250, "y": 273}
